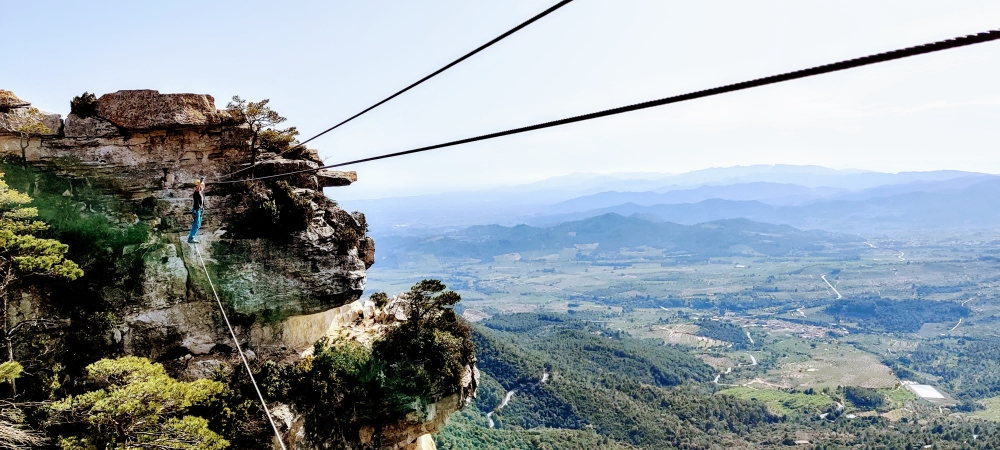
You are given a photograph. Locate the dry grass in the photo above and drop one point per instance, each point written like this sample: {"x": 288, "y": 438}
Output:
{"x": 992, "y": 411}
{"x": 837, "y": 367}
{"x": 897, "y": 414}
{"x": 719, "y": 363}
{"x": 683, "y": 334}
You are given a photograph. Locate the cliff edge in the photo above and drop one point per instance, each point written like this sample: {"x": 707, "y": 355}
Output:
{"x": 289, "y": 263}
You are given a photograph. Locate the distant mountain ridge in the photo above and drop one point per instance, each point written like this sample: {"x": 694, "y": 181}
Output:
{"x": 771, "y": 193}
{"x": 610, "y": 233}
{"x": 973, "y": 206}
{"x": 577, "y": 196}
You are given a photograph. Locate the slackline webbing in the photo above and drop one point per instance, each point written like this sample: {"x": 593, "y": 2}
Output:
{"x": 236, "y": 342}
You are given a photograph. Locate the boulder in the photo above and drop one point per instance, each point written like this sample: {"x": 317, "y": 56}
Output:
{"x": 77, "y": 126}
{"x": 11, "y": 104}
{"x": 335, "y": 178}
{"x": 146, "y": 109}
{"x": 53, "y": 122}
{"x": 181, "y": 329}
{"x": 202, "y": 368}
{"x": 366, "y": 251}
{"x": 10, "y": 101}
{"x": 411, "y": 432}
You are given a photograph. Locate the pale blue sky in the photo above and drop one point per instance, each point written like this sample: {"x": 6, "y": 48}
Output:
{"x": 322, "y": 61}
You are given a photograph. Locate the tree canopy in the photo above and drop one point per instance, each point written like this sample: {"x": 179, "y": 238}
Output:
{"x": 26, "y": 123}
{"x": 138, "y": 406}
{"x": 261, "y": 120}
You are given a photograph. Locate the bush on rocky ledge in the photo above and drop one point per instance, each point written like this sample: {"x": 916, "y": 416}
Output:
{"x": 346, "y": 386}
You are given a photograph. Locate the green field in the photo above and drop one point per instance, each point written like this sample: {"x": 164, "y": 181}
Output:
{"x": 991, "y": 411}
{"x": 781, "y": 402}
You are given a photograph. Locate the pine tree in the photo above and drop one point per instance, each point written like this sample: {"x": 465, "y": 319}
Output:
{"x": 24, "y": 254}
{"x": 139, "y": 406}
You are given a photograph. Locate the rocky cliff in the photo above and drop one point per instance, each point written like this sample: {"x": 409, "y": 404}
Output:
{"x": 285, "y": 258}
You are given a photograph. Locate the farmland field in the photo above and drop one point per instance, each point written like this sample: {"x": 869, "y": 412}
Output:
{"x": 769, "y": 328}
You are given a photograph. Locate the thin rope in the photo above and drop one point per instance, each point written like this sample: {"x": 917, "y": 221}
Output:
{"x": 453, "y": 63}
{"x": 788, "y": 76}
{"x": 243, "y": 357}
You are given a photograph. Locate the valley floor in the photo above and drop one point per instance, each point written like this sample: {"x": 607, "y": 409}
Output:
{"x": 829, "y": 345}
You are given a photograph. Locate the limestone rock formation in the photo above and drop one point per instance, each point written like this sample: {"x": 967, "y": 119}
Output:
{"x": 288, "y": 263}
{"x": 11, "y": 104}
{"x": 363, "y": 321}
{"x": 8, "y": 101}
{"x": 83, "y": 127}
{"x": 146, "y": 109}
{"x": 150, "y": 147}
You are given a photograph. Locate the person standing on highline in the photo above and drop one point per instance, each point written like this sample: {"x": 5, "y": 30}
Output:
{"x": 199, "y": 204}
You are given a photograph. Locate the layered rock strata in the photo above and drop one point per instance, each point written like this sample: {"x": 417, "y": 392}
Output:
{"x": 143, "y": 146}
{"x": 286, "y": 285}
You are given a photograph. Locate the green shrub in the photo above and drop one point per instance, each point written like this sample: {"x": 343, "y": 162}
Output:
{"x": 84, "y": 105}
{"x": 346, "y": 386}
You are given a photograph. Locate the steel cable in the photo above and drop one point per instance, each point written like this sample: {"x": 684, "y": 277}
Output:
{"x": 788, "y": 76}
{"x": 432, "y": 75}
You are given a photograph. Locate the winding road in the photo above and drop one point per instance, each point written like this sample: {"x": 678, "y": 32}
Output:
{"x": 835, "y": 291}
{"x": 506, "y": 400}
{"x": 510, "y": 395}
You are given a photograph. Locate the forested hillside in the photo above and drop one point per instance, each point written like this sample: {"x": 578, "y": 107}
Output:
{"x": 572, "y": 383}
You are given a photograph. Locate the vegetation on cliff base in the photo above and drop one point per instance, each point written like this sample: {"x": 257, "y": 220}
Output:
{"x": 23, "y": 254}
{"x": 106, "y": 244}
{"x": 13, "y": 433}
{"x": 138, "y": 406}
{"x": 345, "y": 386}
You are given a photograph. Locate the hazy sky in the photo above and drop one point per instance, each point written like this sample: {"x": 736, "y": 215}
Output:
{"x": 321, "y": 61}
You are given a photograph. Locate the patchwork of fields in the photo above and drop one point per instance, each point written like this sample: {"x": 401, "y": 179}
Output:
{"x": 774, "y": 336}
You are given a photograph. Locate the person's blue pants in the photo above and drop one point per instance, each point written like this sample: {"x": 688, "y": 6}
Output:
{"x": 195, "y": 224}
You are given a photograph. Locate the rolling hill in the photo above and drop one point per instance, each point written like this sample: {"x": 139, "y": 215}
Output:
{"x": 976, "y": 206}
{"x": 609, "y": 233}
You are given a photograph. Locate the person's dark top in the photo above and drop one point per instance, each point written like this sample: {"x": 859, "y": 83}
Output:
{"x": 199, "y": 200}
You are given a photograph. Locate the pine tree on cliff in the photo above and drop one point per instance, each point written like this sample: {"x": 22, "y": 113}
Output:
{"x": 261, "y": 120}
{"x": 26, "y": 123}
{"x": 23, "y": 254}
{"x": 138, "y": 406}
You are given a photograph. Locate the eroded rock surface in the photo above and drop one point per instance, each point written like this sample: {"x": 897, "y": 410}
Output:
{"x": 148, "y": 148}
{"x": 287, "y": 262}
{"x": 9, "y": 100}
{"x": 146, "y": 109}
{"x": 364, "y": 322}
{"x": 83, "y": 127}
